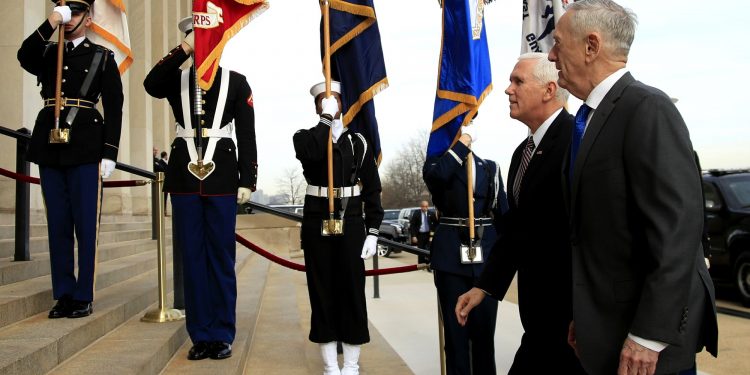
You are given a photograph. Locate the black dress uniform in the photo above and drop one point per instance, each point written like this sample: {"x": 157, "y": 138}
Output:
{"x": 471, "y": 347}
{"x": 204, "y": 211}
{"x": 70, "y": 175}
{"x": 335, "y": 270}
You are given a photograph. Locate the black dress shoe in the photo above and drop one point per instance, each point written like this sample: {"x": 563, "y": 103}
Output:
{"x": 200, "y": 350}
{"x": 60, "y": 310}
{"x": 220, "y": 350}
{"x": 79, "y": 309}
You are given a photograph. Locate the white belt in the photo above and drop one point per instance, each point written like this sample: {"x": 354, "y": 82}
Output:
{"x": 225, "y": 132}
{"x": 342, "y": 192}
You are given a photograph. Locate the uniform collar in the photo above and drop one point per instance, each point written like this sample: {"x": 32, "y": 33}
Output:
{"x": 76, "y": 41}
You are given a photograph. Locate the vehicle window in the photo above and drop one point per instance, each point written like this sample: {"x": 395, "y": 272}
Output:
{"x": 741, "y": 191}
{"x": 711, "y": 195}
{"x": 390, "y": 215}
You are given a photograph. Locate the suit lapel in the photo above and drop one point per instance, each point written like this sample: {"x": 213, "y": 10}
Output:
{"x": 596, "y": 124}
{"x": 544, "y": 148}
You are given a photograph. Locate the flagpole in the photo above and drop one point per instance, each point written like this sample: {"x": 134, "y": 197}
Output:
{"x": 470, "y": 192}
{"x": 56, "y": 136}
{"x": 327, "y": 72}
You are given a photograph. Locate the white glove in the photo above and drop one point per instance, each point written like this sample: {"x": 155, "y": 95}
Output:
{"x": 472, "y": 131}
{"x": 243, "y": 195}
{"x": 64, "y": 12}
{"x": 190, "y": 42}
{"x": 337, "y": 126}
{"x": 708, "y": 263}
{"x": 330, "y": 106}
{"x": 371, "y": 245}
{"x": 107, "y": 167}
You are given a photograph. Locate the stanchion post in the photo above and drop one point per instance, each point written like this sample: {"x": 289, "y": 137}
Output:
{"x": 376, "y": 278}
{"x": 161, "y": 314}
{"x": 177, "y": 274}
{"x": 22, "y": 201}
{"x": 441, "y": 336}
{"x": 155, "y": 193}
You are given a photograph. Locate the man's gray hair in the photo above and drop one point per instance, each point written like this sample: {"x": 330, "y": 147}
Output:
{"x": 616, "y": 23}
{"x": 545, "y": 72}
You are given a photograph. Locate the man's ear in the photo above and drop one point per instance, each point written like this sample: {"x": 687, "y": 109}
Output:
{"x": 550, "y": 90}
{"x": 593, "y": 45}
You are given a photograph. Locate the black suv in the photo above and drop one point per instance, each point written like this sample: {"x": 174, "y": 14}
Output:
{"x": 392, "y": 230}
{"x": 727, "y": 198}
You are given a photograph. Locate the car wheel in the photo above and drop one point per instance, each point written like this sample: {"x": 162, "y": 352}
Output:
{"x": 742, "y": 277}
{"x": 384, "y": 250}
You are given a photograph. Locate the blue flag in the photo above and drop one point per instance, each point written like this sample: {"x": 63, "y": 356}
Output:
{"x": 464, "y": 77}
{"x": 357, "y": 62}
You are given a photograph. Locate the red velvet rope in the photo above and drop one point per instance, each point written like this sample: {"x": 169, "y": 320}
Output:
{"x": 301, "y": 267}
{"x": 107, "y": 184}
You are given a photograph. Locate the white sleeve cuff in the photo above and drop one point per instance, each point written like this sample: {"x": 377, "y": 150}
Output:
{"x": 656, "y": 346}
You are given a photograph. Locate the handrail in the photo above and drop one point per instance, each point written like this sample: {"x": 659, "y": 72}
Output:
{"x": 121, "y": 166}
{"x": 297, "y": 217}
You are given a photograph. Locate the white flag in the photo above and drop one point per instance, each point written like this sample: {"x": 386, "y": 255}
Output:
{"x": 110, "y": 29}
{"x": 539, "y": 19}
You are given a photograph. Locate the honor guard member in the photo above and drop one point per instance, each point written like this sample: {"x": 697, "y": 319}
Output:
{"x": 70, "y": 168}
{"x": 469, "y": 348}
{"x": 335, "y": 266}
{"x": 206, "y": 189}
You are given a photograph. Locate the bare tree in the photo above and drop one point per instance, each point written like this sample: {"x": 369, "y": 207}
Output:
{"x": 401, "y": 177}
{"x": 292, "y": 186}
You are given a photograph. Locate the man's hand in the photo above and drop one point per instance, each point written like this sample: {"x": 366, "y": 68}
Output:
{"x": 636, "y": 359}
{"x": 243, "y": 195}
{"x": 572, "y": 337}
{"x": 471, "y": 131}
{"x": 60, "y": 15}
{"x": 370, "y": 246}
{"x": 330, "y": 106}
{"x": 466, "y": 302}
{"x": 414, "y": 240}
{"x": 107, "y": 167}
{"x": 188, "y": 43}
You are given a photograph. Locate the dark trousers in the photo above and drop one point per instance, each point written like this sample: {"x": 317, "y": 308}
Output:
{"x": 205, "y": 230}
{"x": 469, "y": 349}
{"x": 72, "y": 197}
{"x": 336, "y": 282}
{"x": 545, "y": 354}
{"x": 423, "y": 242}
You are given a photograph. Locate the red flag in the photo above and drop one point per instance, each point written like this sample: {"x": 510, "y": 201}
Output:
{"x": 215, "y": 22}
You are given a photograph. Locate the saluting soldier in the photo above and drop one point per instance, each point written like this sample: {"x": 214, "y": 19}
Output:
{"x": 334, "y": 263}
{"x": 70, "y": 170}
{"x": 469, "y": 348}
{"x": 204, "y": 206}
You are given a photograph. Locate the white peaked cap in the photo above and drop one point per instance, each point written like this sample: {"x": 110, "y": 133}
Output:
{"x": 320, "y": 88}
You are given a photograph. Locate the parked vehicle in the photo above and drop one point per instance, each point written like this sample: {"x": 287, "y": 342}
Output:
{"x": 727, "y": 210}
{"x": 391, "y": 229}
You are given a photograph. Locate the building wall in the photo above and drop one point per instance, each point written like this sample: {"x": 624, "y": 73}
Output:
{"x": 147, "y": 122}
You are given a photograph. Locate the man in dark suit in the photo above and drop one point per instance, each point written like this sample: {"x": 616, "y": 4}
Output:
{"x": 204, "y": 204}
{"x": 535, "y": 237}
{"x": 642, "y": 297}
{"x": 71, "y": 170}
{"x": 421, "y": 224}
{"x": 471, "y": 347}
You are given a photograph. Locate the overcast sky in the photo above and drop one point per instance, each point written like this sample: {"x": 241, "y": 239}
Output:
{"x": 693, "y": 50}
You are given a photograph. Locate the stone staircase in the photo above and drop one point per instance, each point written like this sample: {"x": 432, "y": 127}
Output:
{"x": 272, "y": 310}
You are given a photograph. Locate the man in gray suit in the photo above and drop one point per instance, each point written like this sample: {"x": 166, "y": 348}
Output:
{"x": 642, "y": 297}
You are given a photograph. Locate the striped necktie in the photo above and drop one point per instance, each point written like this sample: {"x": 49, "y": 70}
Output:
{"x": 522, "y": 168}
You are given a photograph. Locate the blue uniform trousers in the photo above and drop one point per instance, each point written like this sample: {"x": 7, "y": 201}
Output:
{"x": 204, "y": 227}
{"x": 469, "y": 349}
{"x": 72, "y": 196}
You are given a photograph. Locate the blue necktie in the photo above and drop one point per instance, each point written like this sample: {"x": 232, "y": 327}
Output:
{"x": 575, "y": 142}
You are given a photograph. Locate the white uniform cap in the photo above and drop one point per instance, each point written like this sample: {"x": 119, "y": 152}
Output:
{"x": 186, "y": 24}
{"x": 320, "y": 88}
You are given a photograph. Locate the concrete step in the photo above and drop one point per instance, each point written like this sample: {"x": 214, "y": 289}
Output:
{"x": 40, "y": 230}
{"x": 41, "y": 244}
{"x": 27, "y": 298}
{"x": 145, "y": 348}
{"x": 11, "y": 271}
{"x": 36, "y": 345}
